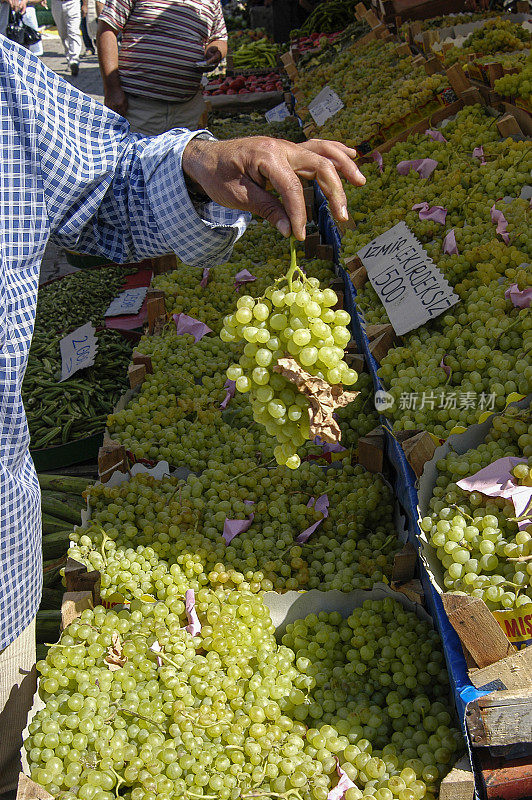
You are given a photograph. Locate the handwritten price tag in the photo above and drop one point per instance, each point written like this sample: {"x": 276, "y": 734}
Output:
{"x": 78, "y": 350}
{"x": 408, "y": 282}
{"x": 128, "y": 302}
{"x": 277, "y": 113}
{"x": 325, "y": 105}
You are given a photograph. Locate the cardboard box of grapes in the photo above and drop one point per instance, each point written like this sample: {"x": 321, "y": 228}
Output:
{"x": 495, "y": 440}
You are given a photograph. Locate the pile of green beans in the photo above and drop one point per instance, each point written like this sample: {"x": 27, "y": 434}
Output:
{"x": 63, "y": 412}
{"x": 79, "y": 298}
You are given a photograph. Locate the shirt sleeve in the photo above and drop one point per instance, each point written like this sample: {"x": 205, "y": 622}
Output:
{"x": 110, "y": 192}
{"x": 116, "y": 13}
{"x": 219, "y": 31}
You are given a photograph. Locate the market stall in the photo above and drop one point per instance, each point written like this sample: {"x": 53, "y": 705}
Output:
{"x": 301, "y": 585}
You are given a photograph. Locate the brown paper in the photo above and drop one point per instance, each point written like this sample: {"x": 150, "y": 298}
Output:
{"x": 324, "y": 398}
{"x": 115, "y": 658}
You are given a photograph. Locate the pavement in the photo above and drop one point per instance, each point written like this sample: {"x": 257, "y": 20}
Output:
{"x": 55, "y": 263}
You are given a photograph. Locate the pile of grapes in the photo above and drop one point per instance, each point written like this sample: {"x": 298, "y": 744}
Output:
{"x": 476, "y": 537}
{"x": 178, "y": 527}
{"x": 141, "y": 705}
{"x": 378, "y": 89}
{"x": 255, "y": 124}
{"x": 483, "y": 340}
{"x": 495, "y": 36}
{"x": 519, "y": 84}
{"x": 176, "y": 415}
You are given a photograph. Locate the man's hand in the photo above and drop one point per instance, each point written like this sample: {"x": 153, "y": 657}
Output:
{"x": 116, "y": 100}
{"x": 234, "y": 174}
{"x": 18, "y": 5}
{"x": 213, "y": 56}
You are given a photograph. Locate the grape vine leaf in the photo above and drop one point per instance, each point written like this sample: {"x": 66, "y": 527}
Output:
{"x": 324, "y": 398}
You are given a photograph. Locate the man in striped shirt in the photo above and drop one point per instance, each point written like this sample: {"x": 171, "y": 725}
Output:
{"x": 154, "y": 80}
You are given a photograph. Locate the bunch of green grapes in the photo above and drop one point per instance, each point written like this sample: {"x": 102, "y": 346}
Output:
{"x": 176, "y": 414}
{"x": 379, "y": 704}
{"x": 139, "y": 706}
{"x": 519, "y": 84}
{"x": 179, "y": 524}
{"x": 476, "y": 537}
{"x": 296, "y": 318}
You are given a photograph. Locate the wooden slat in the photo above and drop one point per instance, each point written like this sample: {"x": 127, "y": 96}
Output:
{"x": 325, "y": 252}
{"x": 404, "y": 564}
{"x": 381, "y": 344}
{"x": 78, "y": 579}
{"x": 433, "y": 65}
{"x": 458, "y": 79}
{"x": 311, "y": 243}
{"x": 459, "y": 784}
{"x": 112, "y": 456}
{"x": 477, "y": 628}
{"x": 136, "y": 374}
{"x": 512, "y": 672}
{"x": 411, "y": 589}
{"x": 504, "y": 779}
{"x": 501, "y": 718}
{"x": 472, "y": 97}
{"x": 419, "y": 449}
{"x": 73, "y": 604}
{"x": 141, "y": 358}
{"x": 508, "y": 126}
{"x": 370, "y": 450}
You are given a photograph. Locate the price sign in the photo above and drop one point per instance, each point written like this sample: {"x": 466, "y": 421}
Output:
{"x": 325, "y": 105}
{"x": 128, "y": 302}
{"x": 408, "y": 282}
{"x": 78, "y": 350}
{"x": 277, "y": 113}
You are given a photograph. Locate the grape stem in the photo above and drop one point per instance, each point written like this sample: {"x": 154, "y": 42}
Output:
{"x": 136, "y": 714}
{"x": 119, "y": 783}
{"x": 289, "y": 793}
{"x": 293, "y": 264}
{"x": 520, "y": 558}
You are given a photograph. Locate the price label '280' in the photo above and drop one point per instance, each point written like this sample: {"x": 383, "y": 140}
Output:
{"x": 78, "y": 350}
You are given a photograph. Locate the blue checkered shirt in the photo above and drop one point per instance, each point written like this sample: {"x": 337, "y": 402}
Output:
{"x": 71, "y": 170}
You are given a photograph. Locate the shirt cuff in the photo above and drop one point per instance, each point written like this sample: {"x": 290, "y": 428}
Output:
{"x": 202, "y": 236}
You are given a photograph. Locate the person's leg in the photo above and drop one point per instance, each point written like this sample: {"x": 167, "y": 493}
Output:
{"x": 87, "y": 41}
{"x": 60, "y": 21}
{"x": 91, "y": 21}
{"x": 146, "y": 116}
{"x": 18, "y": 681}
{"x": 188, "y": 115}
{"x": 72, "y": 13}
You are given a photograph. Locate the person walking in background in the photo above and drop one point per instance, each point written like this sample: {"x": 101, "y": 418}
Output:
{"x": 87, "y": 41}
{"x": 154, "y": 80}
{"x": 67, "y": 17}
